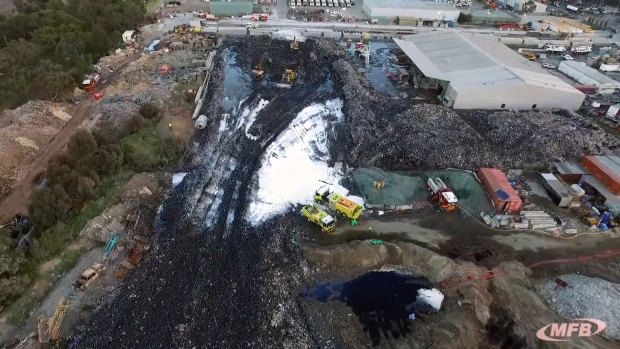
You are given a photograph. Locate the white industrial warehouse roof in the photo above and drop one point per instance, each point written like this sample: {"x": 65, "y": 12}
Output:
{"x": 407, "y": 4}
{"x": 470, "y": 61}
{"x": 591, "y": 73}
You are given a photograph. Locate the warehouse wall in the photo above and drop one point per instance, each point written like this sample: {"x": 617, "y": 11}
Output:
{"x": 234, "y": 8}
{"x": 518, "y": 97}
{"x": 428, "y": 14}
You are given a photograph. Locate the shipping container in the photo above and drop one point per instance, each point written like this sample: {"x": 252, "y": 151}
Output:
{"x": 606, "y": 169}
{"x": 504, "y": 197}
{"x": 558, "y": 191}
{"x": 587, "y": 89}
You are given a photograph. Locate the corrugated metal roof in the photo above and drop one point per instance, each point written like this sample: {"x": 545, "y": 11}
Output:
{"x": 572, "y": 168}
{"x": 613, "y": 201}
{"x": 474, "y": 62}
{"x": 591, "y": 72}
{"x": 432, "y": 5}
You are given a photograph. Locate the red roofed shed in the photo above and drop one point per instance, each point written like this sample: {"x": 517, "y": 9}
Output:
{"x": 504, "y": 197}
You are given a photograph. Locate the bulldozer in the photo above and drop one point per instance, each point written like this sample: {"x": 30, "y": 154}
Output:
{"x": 288, "y": 78}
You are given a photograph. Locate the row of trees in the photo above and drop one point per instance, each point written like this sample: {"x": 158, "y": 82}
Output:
{"x": 73, "y": 179}
{"x": 47, "y": 48}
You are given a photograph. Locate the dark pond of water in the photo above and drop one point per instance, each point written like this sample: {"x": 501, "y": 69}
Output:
{"x": 382, "y": 301}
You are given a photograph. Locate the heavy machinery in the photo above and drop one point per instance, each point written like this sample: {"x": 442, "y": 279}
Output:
{"x": 339, "y": 203}
{"x": 258, "y": 71}
{"x": 529, "y": 55}
{"x": 288, "y": 78}
{"x": 49, "y": 328}
{"x": 90, "y": 82}
{"x": 319, "y": 217}
{"x": 294, "y": 43}
{"x": 442, "y": 194}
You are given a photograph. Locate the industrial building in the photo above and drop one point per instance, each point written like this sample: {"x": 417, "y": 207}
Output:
{"x": 504, "y": 197}
{"x": 478, "y": 72}
{"x": 585, "y": 75}
{"x": 231, "y": 8}
{"x": 428, "y": 13}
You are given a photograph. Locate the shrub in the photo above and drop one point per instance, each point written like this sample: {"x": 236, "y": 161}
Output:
{"x": 135, "y": 124}
{"x": 48, "y": 206}
{"x": 82, "y": 144}
{"x": 149, "y": 111}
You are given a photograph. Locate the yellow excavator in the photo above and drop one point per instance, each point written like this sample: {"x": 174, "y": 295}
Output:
{"x": 288, "y": 78}
{"x": 294, "y": 44}
{"x": 258, "y": 71}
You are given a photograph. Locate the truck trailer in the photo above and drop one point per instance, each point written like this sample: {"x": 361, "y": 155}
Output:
{"x": 339, "y": 203}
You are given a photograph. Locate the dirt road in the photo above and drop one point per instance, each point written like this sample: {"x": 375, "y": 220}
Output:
{"x": 17, "y": 201}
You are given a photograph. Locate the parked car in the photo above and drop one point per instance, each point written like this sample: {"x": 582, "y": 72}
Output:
{"x": 548, "y": 66}
{"x": 568, "y": 57}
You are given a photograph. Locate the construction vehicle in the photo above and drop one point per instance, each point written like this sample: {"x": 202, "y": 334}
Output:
{"x": 49, "y": 328}
{"x": 295, "y": 43}
{"x": 288, "y": 78}
{"x": 529, "y": 55}
{"x": 90, "y": 82}
{"x": 88, "y": 276}
{"x": 339, "y": 203}
{"x": 442, "y": 194}
{"x": 258, "y": 71}
{"x": 319, "y": 217}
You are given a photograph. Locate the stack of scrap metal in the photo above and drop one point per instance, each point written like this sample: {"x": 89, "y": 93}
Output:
{"x": 537, "y": 220}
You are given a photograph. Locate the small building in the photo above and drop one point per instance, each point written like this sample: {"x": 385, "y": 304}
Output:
{"x": 557, "y": 190}
{"x": 570, "y": 172}
{"x": 129, "y": 36}
{"x": 585, "y": 75}
{"x": 606, "y": 169}
{"x": 504, "y": 197}
{"x": 231, "y": 8}
{"x": 472, "y": 71}
{"x": 429, "y": 13}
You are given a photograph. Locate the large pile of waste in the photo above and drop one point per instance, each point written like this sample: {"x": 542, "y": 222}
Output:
{"x": 390, "y": 134}
{"x": 586, "y": 297}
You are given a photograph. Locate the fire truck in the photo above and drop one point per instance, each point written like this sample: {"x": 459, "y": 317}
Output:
{"x": 442, "y": 194}
{"x": 90, "y": 82}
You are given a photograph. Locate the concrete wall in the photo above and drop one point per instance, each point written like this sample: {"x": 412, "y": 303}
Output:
{"x": 517, "y": 97}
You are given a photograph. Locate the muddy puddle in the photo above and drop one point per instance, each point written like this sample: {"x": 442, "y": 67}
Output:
{"x": 385, "y": 303}
{"x": 237, "y": 82}
{"x": 380, "y": 66}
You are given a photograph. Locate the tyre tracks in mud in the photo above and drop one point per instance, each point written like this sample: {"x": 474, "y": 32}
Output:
{"x": 209, "y": 283}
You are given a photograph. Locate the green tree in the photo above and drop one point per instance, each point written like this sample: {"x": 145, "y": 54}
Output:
{"x": 108, "y": 159}
{"x": 98, "y": 42}
{"x": 12, "y": 280}
{"x": 48, "y": 206}
{"x": 529, "y": 7}
{"x": 82, "y": 144}
{"x": 464, "y": 18}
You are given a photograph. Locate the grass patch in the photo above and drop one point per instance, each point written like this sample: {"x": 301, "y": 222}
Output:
{"x": 145, "y": 151}
{"x": 151, "y": 6}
